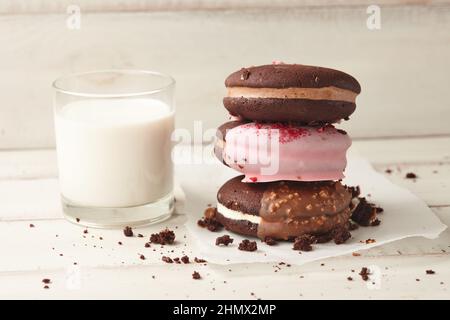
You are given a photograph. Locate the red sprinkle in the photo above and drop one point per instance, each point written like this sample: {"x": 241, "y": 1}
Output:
{"x": 253, "y": 179}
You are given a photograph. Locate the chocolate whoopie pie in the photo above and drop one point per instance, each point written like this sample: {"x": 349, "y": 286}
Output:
{"x": 291, "y": 92}
{"x": 283, "y": 210}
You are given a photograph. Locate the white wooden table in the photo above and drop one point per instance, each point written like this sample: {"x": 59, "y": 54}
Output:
{"x": 401, "y": 123}
{"x": 105, "y": 269}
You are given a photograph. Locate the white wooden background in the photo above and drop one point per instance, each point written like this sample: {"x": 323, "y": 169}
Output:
{"x": 403, "y": 68}
{"x": 401, "y": 123}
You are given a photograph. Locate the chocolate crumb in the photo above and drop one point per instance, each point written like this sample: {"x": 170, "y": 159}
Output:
{"x": 247, "y": 245}
{"x": 368, "y": 241}
{"x": 270, "y": 241}
{"x": 224, "y": 240}
{"x": 142, "y": 257}
{"x": 341, "y": 131}
{"x": 430, "y": 272}
{"x": 365, "y": 213}
{"x": 163, "y": 237}
{"x": 349, "y": 278}
{"x": 120, "y": 243}
{"x": 128, "y": 232}
{"x": 352, "y": 226}
{"x": 185, "y": 259}
{"x": 411, "y": 175}
{"x": 323, "y": 238}
{"x": 210, "y": 223}
{"x": 340, "y": 235}
{"x": 140, "y": 235}
{"x": 166, "y": 259}
{"x": 196, "y": 275}
{"x": 77, "y": 219}
{"x": 46, "y": 287}
{"x": 31, "y": 225}
{"x": 364, "y": 273}
{"x": 199, "y": 260}
{"x": 375, "y": 223}
{"x": 304, "y": 242}
{"x": 177, "y": 260}
{"x": 147, "y": 245}
{"x": 355, "y": 191}
{"x": 85, "y": 231}
{"x": 46, "y": 281}
{"x": 388, "y": 171}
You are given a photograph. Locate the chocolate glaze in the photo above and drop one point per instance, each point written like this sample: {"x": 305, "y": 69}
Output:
{"x": 303, "y": 111}
{"x": 287, "y": 208}
{"x": 291, "y": 76}
{"x": 288, "y": 229}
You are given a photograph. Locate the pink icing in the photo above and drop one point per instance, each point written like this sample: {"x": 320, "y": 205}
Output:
{"x": 272, "y": 152}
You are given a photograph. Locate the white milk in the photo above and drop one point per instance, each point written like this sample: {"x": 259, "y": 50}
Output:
{"x": 114, "y": 152}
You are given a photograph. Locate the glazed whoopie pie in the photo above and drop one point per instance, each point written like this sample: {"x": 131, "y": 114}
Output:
{"x": 283, "y": 210}
{"x": 291, "y": 92}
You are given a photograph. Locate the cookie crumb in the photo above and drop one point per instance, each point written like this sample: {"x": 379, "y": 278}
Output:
{"x": 340, "y": 235}
{"x": 304, "y": 242}
{"x": 247, "y": 245}
{"x": 364, "y": 273}
{"x": 365, "y": 213}
{"x": 165, "y": 236}
{"x": 185, "y": 259}
{"x": 196, "y": 275}
{"x": 411, "y": 175}
{"x": 166, "y": 259}
{"x": 430, "y": 272}
{"x": 224, "y": 240}
{"x": 128, "y": 232}
{"x": 270, "y": 241}
{"x": 209, "y": 221}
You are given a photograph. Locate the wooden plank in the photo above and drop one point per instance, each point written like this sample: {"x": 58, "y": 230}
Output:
{"x": 45, "y": 6}
{"x": 401, "y": 67}
{"x": 54, "y": 243}
{"x": 395, "y": 278}
{"x": 429, "y": 150}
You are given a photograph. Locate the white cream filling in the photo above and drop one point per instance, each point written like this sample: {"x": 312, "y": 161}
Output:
{"x": 236, "y": 215}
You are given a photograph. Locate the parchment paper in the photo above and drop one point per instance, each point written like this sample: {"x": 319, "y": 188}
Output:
{"x": 405, "y": 215}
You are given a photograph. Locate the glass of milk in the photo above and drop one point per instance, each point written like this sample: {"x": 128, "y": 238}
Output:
{"x": 113, "y": 139}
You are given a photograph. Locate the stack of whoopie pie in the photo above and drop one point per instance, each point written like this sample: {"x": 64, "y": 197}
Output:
{"x": 282, "y": 139}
